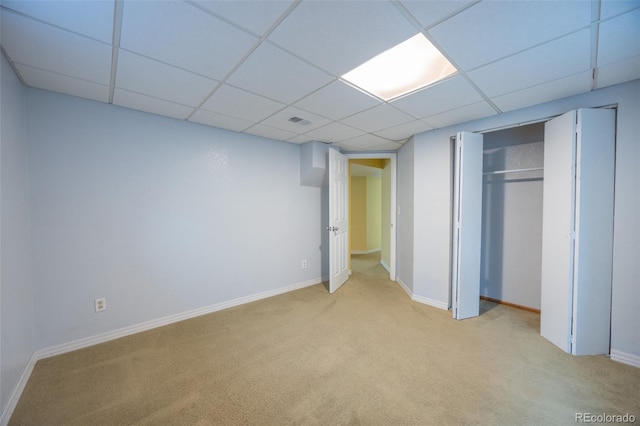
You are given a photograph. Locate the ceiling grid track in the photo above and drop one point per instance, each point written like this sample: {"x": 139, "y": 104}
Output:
{"x": 595, "y": 30}
{"x": 219, "y": 64}
{"x": 403, "y": 10}
{"x": 246, "y": 55}
{"x": 117, "y": 32}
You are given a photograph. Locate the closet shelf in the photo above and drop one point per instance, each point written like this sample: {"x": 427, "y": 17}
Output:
{"x": 502, "y": 172}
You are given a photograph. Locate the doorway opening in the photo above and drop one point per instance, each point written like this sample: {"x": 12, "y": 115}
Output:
{"x": 387, "y": 216}
{"x": 372, "y": 206}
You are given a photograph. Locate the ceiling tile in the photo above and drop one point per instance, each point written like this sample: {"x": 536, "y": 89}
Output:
{"x": 91, "y": 18}
{"x": 461, "y": 115}
{"x": 444, "y": 96}
{"x": 270, "y": 132}
{"x": 377, "y": 118}
{"x": 545, "y": 92}
{"x": 214, "y": 119}
{"x": 254, "y": 16}
{"x": 405, "y": 130}
{"x": 618, "y": 72}
{"x": 566, "y": 56}
{"x": 278, "y": 75}
{"x": 231, "y": 101}
{"x": 300, "y": 139}
{"x": 609, "y": 8}
{"x": 491, "y": 30}
{"x": 149, "y": 77}
{"x": 365, "y": 142}
{"x": 145, "y": 103}
{"x": 619, "y": 38}
{"x": 334, "y": 132}
{"x": 340, "y": 35}
{"x": 182, "y": 35}
{"x": 310, "y": 121}
{"x": 337, "y": 100}
{"x": 430, "y": 12}
{"x": 62, "y": 84}
{"x": 389, "y": 146}
{"x": 42, "y": 46}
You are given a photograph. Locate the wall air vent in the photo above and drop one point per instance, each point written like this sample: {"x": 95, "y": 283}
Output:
{"x": 300, "y": 121}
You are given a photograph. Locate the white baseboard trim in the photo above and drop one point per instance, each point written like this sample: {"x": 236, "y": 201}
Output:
{"x": 405, "y": 287}
{"x": 385, "y": 266}
{"x": 431, "y": 302}
{"x": 137, "y": 328}
{"x": 17, "y": 391}
{"x": 625, "y": 358}
{"x": 424, "y": 300}
{"x": 365, "y": 251}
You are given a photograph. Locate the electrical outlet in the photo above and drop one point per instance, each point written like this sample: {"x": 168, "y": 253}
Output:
{"x": 100, "y": 304}
{"x": 304, "y": 264}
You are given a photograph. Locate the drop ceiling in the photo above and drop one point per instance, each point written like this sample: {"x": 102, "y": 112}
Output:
{"x": 249, "y": 66}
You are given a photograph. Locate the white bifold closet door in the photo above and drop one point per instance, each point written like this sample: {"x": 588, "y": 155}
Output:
{"x": 467, "y": 226}
{"x": 577, "y": 235}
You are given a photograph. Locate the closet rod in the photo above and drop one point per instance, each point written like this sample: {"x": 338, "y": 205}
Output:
{"x": 501, "y": 172}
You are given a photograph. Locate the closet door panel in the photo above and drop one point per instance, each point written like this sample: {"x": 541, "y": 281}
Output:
{"x": 468, "y": 226}
{"x": 594, "y": 231}
{"x": 557, "y": 223}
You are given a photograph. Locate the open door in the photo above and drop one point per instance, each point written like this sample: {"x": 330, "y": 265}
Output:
{"x": 557, "y": 233}
{"x": 577, "y": 233}
{"x": 338, "y": 220}
{"x": 467, "y": 223}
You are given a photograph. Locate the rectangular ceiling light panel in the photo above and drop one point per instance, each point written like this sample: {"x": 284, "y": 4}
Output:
{"x": 409, "y": 66}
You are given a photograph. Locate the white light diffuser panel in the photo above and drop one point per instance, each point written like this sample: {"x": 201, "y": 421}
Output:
{"x": 411, "y": 65}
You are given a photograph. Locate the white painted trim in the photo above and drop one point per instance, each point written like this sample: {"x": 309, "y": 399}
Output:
{"x": 17, "y": 391}
{"x": 431, "y": 302}
{"x": 385, "y": 266}
{"x": 365, "y": 251}
{"x": 424, "y": 300}
{"x": 405, "y": 287}
{"x": 625, "y": 358}
{"x": 137, "y": 328}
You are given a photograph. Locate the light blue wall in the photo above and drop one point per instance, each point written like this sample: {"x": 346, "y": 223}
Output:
{"x": 160, "y": 216}
{"x": 404, "y": 222}
{"x": 432, "y": 216}
{"x": 432, "y": 199}
{"x": 17, "y": 342}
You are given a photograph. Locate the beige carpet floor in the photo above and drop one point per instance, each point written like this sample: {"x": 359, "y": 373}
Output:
{"x": 366, "y": 355}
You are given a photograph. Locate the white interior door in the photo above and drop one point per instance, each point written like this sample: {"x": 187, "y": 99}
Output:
{"x": 595, "y": 162}
{"x": 558, "y": 242}
{"x": 467, "y": 226}
{"x": 338, "y": 220}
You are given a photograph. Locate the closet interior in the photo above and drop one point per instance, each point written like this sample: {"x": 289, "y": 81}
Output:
{"x": 533, "y": 224}
{"x": 512, "y": 189}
